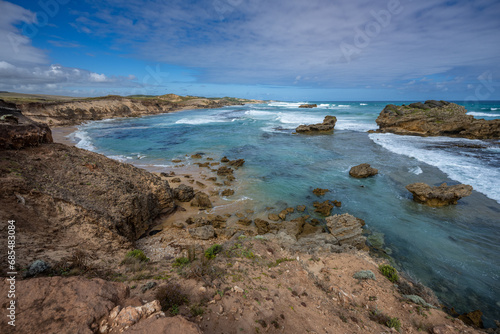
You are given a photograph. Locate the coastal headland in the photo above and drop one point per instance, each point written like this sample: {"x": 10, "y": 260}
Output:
{"x": 105, "y": 247}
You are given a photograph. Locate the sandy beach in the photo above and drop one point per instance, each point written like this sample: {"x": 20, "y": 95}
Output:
{"x": 60, "y": 134}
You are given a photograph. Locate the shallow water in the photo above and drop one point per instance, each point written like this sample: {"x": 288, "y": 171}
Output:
{"x": 454, "y": 250}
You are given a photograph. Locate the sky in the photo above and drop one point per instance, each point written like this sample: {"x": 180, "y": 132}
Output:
{"x": 291, "y": 50}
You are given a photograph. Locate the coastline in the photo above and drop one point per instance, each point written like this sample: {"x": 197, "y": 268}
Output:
{"x": 60, "y": 134}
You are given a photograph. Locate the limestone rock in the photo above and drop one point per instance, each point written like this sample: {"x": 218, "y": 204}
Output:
{"x": 262, "y": 226}
{"x": 244, "y": 221}
{"x": 438, "y": 196}
{"x": 203, "y": 232}
{"x": 301, "y": 208}
{"x": 236, "y": 163}
{"x": 184, "y": 193}
{"x": 325, "y": 127}
{"x": 224, "y": 171}
{"x": 308, "y": 105}
{"x": 347, "y": 229}
{"x": 320, "y": 192}
{"x": 227, "y": 192}
{"x": 202, "y": 201}
{"x": 324, "y": 208}
{"x": 436, "y": 118}
{"x": 363, "y": 171}
{"x": 18, "y": 131}
{"x": 273, "y": 217}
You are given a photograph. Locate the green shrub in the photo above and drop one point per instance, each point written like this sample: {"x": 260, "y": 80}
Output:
{"x": 394, "y": 323}
{"x": 389, "y": 272}
{"x": 212, "y": 252}
{"x": 197, "y": 310}
{"x": 137, "y": 254}
{"x": 181, "y": 262}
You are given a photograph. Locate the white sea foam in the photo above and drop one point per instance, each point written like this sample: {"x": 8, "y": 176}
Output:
{"x": 297, "y": 119}
{"x": 363, "y": 104}
{"x": 259, "y": 113}
{"x": 344, "y": 106}
{"x": 354, "y": 124}
{"x": 286, "y": 104}
{"x": 483, "y": 114}
{"x": 494, "y": 109}
{"x": 199, "y": 120}
{"x": 465, "y": 169}
{"x": 84, "y": 140}
{"x": 415, "y": 170}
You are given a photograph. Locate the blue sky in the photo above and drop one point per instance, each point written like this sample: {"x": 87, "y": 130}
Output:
{"x": 273, "y": 49}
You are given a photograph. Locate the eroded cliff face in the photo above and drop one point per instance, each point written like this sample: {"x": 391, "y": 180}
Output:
{"x": 67, "y": 113}
{"x": 435, "y": 118}
{"x": 62, "y": 197}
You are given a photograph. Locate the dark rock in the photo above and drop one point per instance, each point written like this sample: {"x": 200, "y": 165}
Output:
{"x": 473, "y": 318}
{"x": 362, "y": 171}
{"x": 175, "y": 180}
{"x": 325, "y": 127}
{"x": 184, "y": 193}
{"x": 438, "y": 196}
{"x": 224, "y": 171}
{"x": 324, "y": 208}
{"x": 262, "y": 226}
{"x": 236, "y": 163}
{"x": 224, "y": 159}
{"x": 244, "y": 221}
{"x": 37, "y": 267}
{"x": 148, "y": 286}
{"x": 307, "y": 105}
{"x": 320, "y": 192}
{"x": 202, "y": 201}
{"x": 196, "y": 156}
{"x": 227, "y": 192}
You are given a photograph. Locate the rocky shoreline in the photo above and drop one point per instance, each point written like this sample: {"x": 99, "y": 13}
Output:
{"x": 126, "y": 250}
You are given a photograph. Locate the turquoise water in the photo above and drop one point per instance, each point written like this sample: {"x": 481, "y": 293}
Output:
{"x": 454, "y": 250}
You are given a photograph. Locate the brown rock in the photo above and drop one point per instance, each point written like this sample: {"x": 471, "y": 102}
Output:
{"x": 308, "y": 105}
{"x": 347, "y": 229}
{"x": 63, "y": 305}
{"x": 203, "y": 232}
{"x": 176, "y": 161}
{"x": 290, "y": 210}
{"x": 184, "y": 193}
{"x": 245, "y": 221}
{"x": 362, "y": 171}
{"x": 473, "y": 318}
{"x": 262, "y": 226}
{"x": 325, "y": 127}
{"x": 273, "y": 217}
{"x": 202, "y": 201}
{"x": 213, "y": 179}
{"x": 438, "y": 196}
{"x": 337, "y": 203}
{"x": 436, "y": 118}
{"x": 294, "y": 227}
{"x": 163, "y": 325}
{"x": 236, "y": 163}
{"x": 175, "y": 180}
{"x": 201, "y": 185}
{"x": 320, "y": 192}
{"x": 224, "y": 159}
{"x": 324, "y": 208}
{"x": 196, "y": 156}
{"x": 202, "y": 164}
{"x": 18, "y": 131}
{"x": 224, "y": 171}
{"x": 227, "y": 192}
{"x": 282, "y": 214}
{"x": 301, "y": 208}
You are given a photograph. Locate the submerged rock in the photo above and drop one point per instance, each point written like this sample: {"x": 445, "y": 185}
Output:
{"x": 438, "y": 196}
{"x": 363, "y": 171}
{"x": 320, "y": 192}
{"x": 324, "y": 208}
{"x": 436, "y": 118}
{"x": 325, "y": 127}
{"x": 347, "y": 229}
{"x": 236, "y": 163}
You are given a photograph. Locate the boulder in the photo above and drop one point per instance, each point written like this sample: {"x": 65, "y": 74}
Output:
{"x": 224, "y": 171}
{"x": 301, "y": 208}
{"x": 436, "y": 118}
{"x": 227, "y": 192}
{"x": 37, "y": 267}
{"x": 202, "y": 201}
{"x": 324, "y": 208}
{"x": 320, "y": 192}
{"x": 363, "y": 171}
{"x": 273, "y": 217}
{"x": 203, "y": 232}
{"x": 262, "y": 226}
{"x": 438, "y": 196}
{"x": 347, "y": 229}
{"x": 244, "y": 221}
{"x": 325, "y": 127}
{"x": 308, "y": 105}
{"x": 18, "y": 131}
{"x": 236, "y": 163}
{"x": 184, "y": 193}
{"x": 283, "y": 214}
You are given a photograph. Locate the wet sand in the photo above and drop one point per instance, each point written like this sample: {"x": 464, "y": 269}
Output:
{"x": 60, "y": 134}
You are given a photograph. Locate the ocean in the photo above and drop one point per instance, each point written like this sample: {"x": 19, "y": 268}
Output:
{"x": 454, "y": 250}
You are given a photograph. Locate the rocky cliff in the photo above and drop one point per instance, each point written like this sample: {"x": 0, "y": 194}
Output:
{"x": 435, "y": 118}
{"x": 77, "y": 111}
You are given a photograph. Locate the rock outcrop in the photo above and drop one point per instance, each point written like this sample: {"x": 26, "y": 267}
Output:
{"x": 18, "y": 131}
{"x": 363, "y": 171}
{"x": 325, "y": 127}
{"x": 77, "y": 198}
{"x": 435, "y": 118}
{"x": 308, "y": 105}
{"x": 347, "y": 229}
{"x": 438, "y": 196}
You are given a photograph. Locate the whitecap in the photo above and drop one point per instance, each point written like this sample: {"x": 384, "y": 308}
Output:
{"x": 464, "y": 168}
{"x": 84, "y": 140}
{"x": 363, "y": 104}
{"x": 199, "y": 120}
{"x": 482, "y": 114}
{"x": 415, "y": 170}
{"x": 298, "y": 119}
